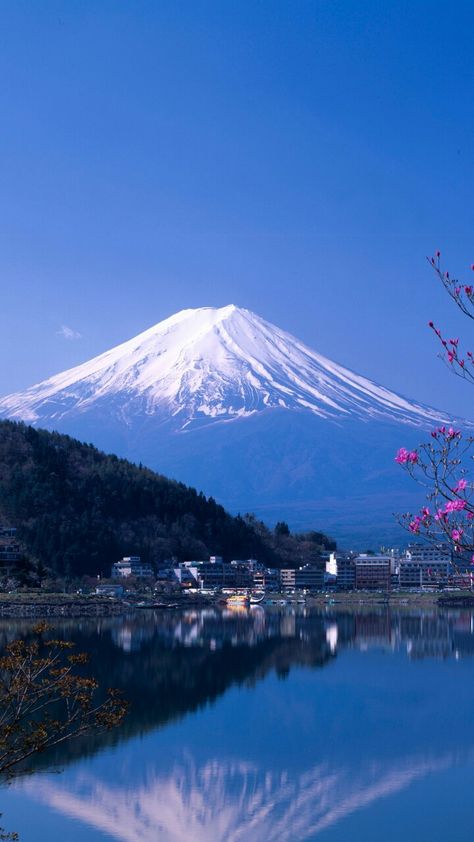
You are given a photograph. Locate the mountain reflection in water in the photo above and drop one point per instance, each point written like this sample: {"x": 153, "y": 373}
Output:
{"x": 261, "y": 725}
{"x": 221, "y": 802}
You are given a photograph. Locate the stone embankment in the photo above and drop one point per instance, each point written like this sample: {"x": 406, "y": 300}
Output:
{"x": 63, "y": 608}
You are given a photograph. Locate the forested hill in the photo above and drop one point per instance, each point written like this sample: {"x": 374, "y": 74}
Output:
{"x": 77, "y": 509}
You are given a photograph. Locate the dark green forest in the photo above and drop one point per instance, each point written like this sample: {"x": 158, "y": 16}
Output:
{"x": 77, "y": 510}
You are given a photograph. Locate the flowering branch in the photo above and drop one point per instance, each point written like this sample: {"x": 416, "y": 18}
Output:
{"x": 442, "y": 464}
{"x": 463, "y": 296}
{"x": 449, "y": 515}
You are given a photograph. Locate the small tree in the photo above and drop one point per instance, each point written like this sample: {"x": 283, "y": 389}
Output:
{"x": 282, "y": 528}
{"x": 45, "y": 700}
{"x": 443, "y": 464}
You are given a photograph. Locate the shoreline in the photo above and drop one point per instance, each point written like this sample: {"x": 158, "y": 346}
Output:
{"x": 63, "y": 605}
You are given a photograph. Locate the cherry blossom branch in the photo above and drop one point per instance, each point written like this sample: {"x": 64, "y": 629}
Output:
{"x": 461, "y": 294}
{"x": 449, "y": 515}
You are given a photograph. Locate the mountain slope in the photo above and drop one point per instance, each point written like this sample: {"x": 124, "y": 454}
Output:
{"x": 78, "y": 510}
{"x": 223, "y": 400}
{"x": 206, "y": 365}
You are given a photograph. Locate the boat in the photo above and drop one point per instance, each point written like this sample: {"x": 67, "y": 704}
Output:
{"x": 156, "y": 605}
{"x": 238, "y": 600}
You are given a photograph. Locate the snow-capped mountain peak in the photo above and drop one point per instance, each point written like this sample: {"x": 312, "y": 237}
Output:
{"x": 207, "y": 365}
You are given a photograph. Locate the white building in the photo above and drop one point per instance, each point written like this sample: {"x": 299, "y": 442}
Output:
{"x": 131, "y": 566}
{"x": 428, "y": 552}
{"x": 425, "y": 566}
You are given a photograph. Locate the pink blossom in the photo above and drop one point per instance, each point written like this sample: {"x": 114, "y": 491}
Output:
{"x": 402, "y": 456}
{"x": 454, "y": 342}
{"x": 453, "y": 433}
{"x": 457, "y": 534}
{"x": 455, "y": 506}
{"x": 460, "y": 485}
{"x": 405, "y": 455}
{"x": 450, "y": 356}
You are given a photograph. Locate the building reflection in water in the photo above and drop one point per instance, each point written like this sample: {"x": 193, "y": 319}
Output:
{"x": 419, "y": 634}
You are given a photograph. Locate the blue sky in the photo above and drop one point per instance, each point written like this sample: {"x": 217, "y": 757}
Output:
{"x": 296, "y": 158}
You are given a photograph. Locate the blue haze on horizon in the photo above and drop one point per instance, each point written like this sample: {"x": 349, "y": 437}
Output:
{"x": 298, "y": 159}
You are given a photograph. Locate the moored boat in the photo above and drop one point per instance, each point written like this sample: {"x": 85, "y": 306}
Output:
{"x": 240, "y": 600}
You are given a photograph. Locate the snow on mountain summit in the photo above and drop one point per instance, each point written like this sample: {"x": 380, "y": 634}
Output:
{"x": 209, "y": 364}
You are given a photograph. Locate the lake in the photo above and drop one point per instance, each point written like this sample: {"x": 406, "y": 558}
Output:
{"x": 268, "y": 726}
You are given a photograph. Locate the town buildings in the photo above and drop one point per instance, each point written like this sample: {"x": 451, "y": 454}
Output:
{"x": 420, "y": 566}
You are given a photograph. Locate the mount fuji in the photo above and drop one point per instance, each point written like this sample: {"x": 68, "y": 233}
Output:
{"x": 224, "y": 400}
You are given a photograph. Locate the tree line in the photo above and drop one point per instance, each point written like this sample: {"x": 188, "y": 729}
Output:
{"x": 77, "y": 510}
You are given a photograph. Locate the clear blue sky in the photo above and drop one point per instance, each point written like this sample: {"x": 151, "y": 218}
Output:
{"x": 296, "y": 158}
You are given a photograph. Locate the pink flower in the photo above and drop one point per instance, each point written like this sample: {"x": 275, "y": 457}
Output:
{"x": 402, "y": 456}
{"x": 460, "y": 485}
{"x": 450, "y": 356}
{"x": 453, "y": 433}
{"x": 457, "y": 534}
{"x": 455, "y": 506}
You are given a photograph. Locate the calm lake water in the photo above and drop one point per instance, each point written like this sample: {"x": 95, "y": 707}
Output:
{"x": 266, "y": 727}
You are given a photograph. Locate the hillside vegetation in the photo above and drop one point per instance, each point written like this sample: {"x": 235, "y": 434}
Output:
{"x": 77, "y": 510}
